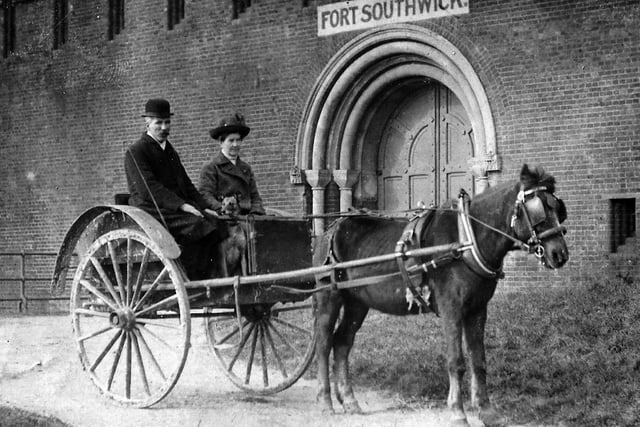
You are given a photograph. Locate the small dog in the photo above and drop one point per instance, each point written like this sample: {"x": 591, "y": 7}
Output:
{"x": 233, "y": 247}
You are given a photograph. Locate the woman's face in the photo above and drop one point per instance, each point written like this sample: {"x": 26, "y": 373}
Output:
{"x": 231, "y": 145}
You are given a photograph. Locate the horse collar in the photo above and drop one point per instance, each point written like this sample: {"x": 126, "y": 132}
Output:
{"x": 470, "y": 252}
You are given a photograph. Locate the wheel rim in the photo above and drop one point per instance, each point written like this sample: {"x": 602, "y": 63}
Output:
{"x": 273, "y": 351}
{"x": 130, "y": 316}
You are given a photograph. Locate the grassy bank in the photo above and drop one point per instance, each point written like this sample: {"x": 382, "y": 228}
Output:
{"x": 566, "y": 356}
{"x": 14, "y": 417}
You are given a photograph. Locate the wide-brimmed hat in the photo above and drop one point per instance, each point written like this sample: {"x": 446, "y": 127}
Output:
{"x": 158, "y": 108}
{"x": 233, "y": 124}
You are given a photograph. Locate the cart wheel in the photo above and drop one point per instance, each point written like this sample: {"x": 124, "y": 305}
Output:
{"x": 275, "y": 347}
{"x": 131, "y": 320}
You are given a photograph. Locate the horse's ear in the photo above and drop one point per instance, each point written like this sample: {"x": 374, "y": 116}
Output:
{"x": 531, "y": 176}
{"x": 526, "y": 178}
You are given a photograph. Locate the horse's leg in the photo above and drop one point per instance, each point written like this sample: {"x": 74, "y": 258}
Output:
{"x": 327, "y": 309}
{"x": 474, "y": 327}
{"x": 452, "y": 325}
{"x": 354, "y": 314}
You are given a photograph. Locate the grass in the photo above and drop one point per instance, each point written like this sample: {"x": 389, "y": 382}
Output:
{"x": 14, "y": 417}
{"x": 567, "y": 356}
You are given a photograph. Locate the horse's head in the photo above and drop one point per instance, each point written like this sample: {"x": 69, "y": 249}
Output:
{"x": 538, "y": 215}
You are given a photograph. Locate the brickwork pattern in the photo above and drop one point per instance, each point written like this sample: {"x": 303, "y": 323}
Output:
{"x": 562, "y": 78}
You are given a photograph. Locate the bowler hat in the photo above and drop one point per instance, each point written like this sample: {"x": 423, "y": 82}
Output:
{"x": 158, "y": 108}
{"x": 233, "y": 124}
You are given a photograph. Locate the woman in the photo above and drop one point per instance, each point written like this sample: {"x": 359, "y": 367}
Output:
{"x": 227, "y": 174}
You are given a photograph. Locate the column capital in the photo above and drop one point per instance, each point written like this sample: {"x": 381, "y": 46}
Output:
{"x": 479, "y": 166}
{"x": 317, "y": 178}
{"x": 346, "y": 178}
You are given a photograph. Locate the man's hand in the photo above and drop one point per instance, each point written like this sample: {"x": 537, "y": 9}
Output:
{"x": 190, "y": 209}
{"x": 211, "y": 212}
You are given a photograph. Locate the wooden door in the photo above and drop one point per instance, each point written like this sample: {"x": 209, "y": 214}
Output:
{"x": 424, "y": 151}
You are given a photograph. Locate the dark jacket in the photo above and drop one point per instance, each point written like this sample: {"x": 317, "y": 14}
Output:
{"x": 220, "y": 178}
{"x": 166, "y": 178}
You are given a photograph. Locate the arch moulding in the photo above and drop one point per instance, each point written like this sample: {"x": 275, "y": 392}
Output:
{"x": 329, "y": 143}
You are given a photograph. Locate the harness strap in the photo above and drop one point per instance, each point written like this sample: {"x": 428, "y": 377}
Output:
{"x": 471, "y": 254}
{"x": 410, "y": 239}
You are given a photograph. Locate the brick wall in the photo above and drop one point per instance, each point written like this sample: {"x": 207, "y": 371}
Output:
{"x": 562, "y": 78}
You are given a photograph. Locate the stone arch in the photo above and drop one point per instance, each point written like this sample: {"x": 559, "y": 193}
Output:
{"x": 330, "y": 140}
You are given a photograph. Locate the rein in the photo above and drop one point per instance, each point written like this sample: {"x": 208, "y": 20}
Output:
{"x": 146, "y": 185}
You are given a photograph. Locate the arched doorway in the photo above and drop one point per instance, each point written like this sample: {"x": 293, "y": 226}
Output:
{"x": 367, "y": 124}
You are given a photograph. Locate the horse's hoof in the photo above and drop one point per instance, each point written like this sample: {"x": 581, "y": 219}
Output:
{"x": 326, "y": 406}
{"x": 327, "y": 411}
{"x": 491, "y": 418}
{"x": 352, "y": 407}
{"x": 458, "y": 418}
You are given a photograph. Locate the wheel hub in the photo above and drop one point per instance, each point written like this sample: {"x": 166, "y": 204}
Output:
{"x": 123, "y": 319}
{"x": 258, "y": 312}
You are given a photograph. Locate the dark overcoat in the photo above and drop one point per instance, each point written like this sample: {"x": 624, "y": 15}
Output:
{"x": 149, "y": 168}
{"x": 220, "y": 178}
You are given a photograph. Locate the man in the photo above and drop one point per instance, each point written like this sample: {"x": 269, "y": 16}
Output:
{"x": 227, "y": 174}
{"x": 160, "y": 186}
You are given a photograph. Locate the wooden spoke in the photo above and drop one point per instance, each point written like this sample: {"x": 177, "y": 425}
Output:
{"x": 263, "y": 351}
{"x": 153, "y": 286}
{"x": 105, "y": 280}
{"x": 116, "y": 269}
{"x": 95, "y": 334}
{"x": 276, "y": 355}
{"x": 143, "y": 270}
{"x": 241, "y": 346}
{"x": 146, "y": 348}
{"x": 106, "y": 350}
{"x": 116, "y": 360}
{"x": 91, "y": 312}
{"x": 233, "y": 332}
{"x": 173, "y": 300}
{"x": 128, "y": 372}
{"x": 286, "y": 341}
{"x": 160, "y": 340}
{"x": 292, "y": 326}
{"x": 292, "y": 307}
{"x": 254, "y": 340}
{"x": 157, "y": 322}
{"x": 129, "y": 271}
{"x": 85, "y": 283}
{"x": 143, "y": 373}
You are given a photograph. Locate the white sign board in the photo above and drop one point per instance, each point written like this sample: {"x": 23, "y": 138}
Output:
{"x": 360, "y": 14}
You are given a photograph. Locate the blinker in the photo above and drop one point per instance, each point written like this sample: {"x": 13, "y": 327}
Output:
{"x": 535, "y": 210}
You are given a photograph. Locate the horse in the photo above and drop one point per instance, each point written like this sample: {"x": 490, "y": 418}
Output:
{"x": 456, "y": 285}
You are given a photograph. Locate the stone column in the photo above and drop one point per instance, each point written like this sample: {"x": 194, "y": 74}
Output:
{"x": 346, "y": 179}
{"x": 479, "y": 168}
{"x": 318, "y": 180}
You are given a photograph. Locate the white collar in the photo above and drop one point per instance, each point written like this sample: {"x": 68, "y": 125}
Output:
{"x": 162, "y": 145}
{"x": 234, "y": 161}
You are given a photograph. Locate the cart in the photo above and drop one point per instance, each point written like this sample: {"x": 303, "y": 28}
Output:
{"x": 131, "y": 303}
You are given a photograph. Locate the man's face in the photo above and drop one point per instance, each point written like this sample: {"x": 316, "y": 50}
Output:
{"x": 159, "y": 128}
{"x": 231, "y": 145}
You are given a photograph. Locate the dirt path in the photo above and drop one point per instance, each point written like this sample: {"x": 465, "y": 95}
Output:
{"x": 40, "y": 371}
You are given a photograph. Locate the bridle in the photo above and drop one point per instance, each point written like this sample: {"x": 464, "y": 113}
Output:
{"x": 529, "y": 203}
{"x": 533, "y": 211}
